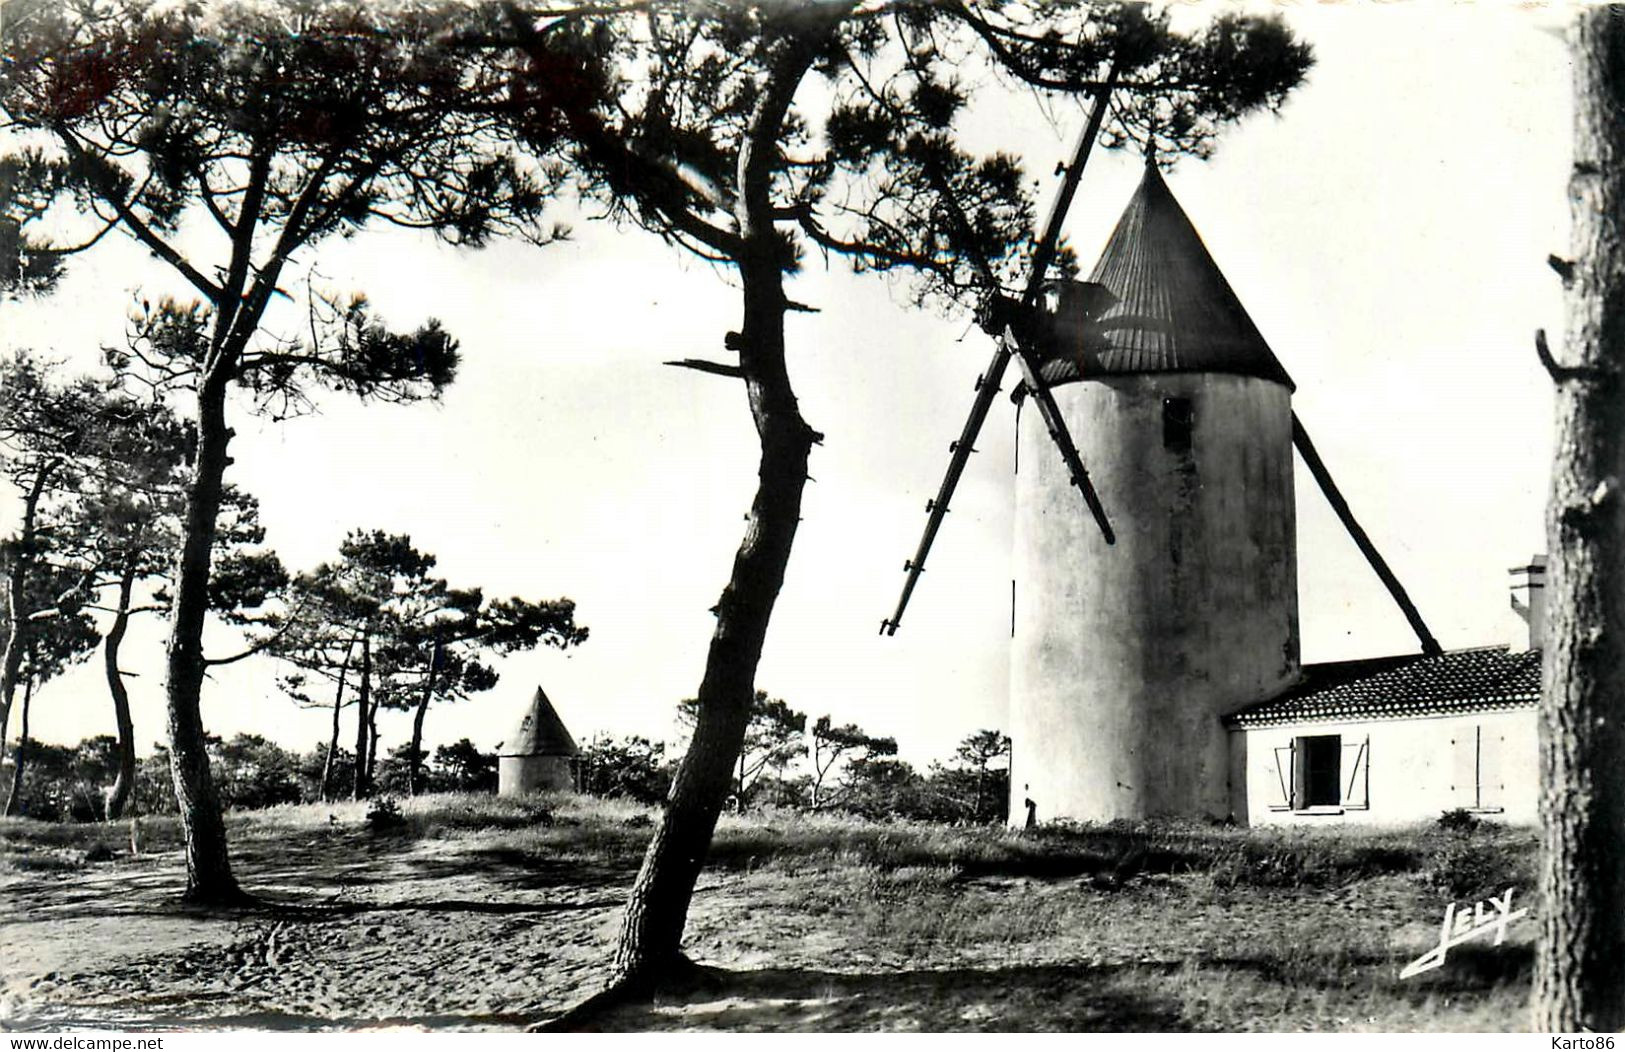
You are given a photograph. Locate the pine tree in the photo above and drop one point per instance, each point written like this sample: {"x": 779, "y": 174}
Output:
{"x": 713, "y": 144}
{"x": 274, "y": 127}
{"x": 1580, "y": 957}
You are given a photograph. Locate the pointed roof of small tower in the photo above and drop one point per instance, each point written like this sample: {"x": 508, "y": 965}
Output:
{"x": 540, "y": 732}
{"x": 1173, "y": 311}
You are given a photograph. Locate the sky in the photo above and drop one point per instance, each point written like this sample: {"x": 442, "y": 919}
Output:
{"x": 1387, "y": 231}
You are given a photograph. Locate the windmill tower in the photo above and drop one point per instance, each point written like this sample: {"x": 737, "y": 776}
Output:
{"x": 539, "y": 753}
{"x": 1125, "y": 656}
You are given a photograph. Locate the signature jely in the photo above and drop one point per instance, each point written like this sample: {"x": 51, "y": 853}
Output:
{"x": 1460, "y": 925}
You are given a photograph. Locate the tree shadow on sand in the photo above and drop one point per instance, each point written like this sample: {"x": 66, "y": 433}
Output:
{"x": 306, "y": 908}
{"x": 1129, "y": 996}
{"x": 1048, "y": 997}
{"x": 271, "y": 1021}
{"x": 300, "y": 883}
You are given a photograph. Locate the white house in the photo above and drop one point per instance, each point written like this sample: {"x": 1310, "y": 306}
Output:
{"x": 1393, "y": 740}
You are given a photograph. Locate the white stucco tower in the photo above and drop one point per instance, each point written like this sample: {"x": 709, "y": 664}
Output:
{"x": 538, "y": 754}
{"x": 1125, "y": 656}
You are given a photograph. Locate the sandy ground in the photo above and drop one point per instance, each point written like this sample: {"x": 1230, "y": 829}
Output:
{"x": 465, "y": 933}
{"x": 426, "y": 934}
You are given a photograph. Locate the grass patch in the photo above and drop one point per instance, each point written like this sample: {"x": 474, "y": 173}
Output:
{"x": 1462, "y": 864}
{"x": 616, "y": 833}
{"x": 29, "y": 845}
{"x": 1119, "y": 852}
{"x": 1478, "y": 863}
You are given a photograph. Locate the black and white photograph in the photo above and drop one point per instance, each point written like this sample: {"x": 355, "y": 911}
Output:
{"x": 811, "y": 516}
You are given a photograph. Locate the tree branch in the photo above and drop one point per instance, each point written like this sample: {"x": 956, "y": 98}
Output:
{"x": 257, "y": 648}
{"x": 1009, "y": 60}
{"x": 1562, "y": 374}
{"x": 230, "y": 304}
{"x": 140, "y": 230}
{"x": 715, "y": 368}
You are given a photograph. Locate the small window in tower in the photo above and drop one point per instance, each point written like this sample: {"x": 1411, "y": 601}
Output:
{"x": 1178, "y": 418}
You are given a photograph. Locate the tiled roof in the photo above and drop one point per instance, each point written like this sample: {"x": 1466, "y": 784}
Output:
{"x": 1173, "y": 311}
{"x": 540, "y": 732}
{"x": 1475, "y": 680}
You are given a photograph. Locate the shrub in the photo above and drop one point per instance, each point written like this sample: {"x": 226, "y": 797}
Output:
{"x": 390, "y": 775}
{"x": 1460, "y": 820}
{"x": 1466, "y": 868}
{"x": 384, "y": 815}
{"x": 462, "y": 768}
{"x": 63, "y": 783}
{"x": 154, "y": 784}
{"x": 310, "y": 766}
{"x": 633, "y": 768}
{"x": 252, "y": 772}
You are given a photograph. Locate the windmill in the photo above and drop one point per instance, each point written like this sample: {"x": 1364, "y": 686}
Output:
{"x": 1134, "y": 633}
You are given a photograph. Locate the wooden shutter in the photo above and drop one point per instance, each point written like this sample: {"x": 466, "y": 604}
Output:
{"x": 1464, "y": 767}
{"x": 1300, "y": 773}
{"x": 1285, "y": 775}
{"x": 1491, "y": 787}
{"x": 1357, "y": 768}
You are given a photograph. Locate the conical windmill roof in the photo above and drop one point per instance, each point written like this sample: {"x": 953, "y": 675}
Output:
{"x": 1173, "y": 311}
{"x": 540, "y": 732}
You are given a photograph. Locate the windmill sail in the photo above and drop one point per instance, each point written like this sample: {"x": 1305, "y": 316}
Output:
{"x": 1051, "y": 414}
{"x": 1362, "y": 540}
{"x": 988, "y": 385}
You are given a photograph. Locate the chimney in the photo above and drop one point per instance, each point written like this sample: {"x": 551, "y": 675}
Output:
{"x": 1529, "y": 604}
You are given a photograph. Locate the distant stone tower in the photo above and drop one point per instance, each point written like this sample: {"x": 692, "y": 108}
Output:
{"x": 538, "y": 754}
{"x": 1126, "y": 656}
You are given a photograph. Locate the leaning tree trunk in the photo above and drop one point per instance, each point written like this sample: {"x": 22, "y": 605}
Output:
{"x": 1580, "y": 957}
{"x": 11, "y": 659}
{"x": 208, "y": 868}
{"x": 124, "y": 781}
{"x": 358, "y": 784}
{"x": 14, "y": 800}
{"x": 651, "y": 933}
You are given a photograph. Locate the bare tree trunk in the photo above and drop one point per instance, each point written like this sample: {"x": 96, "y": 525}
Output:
{"x": 649, "y": 947}
{"x": 11, "y": 661}
{"x": 818, "y": 777}
{"x": 124, "y": 781}
{"x": 1580, "y": 956}
{"x": 414, "y": 753}
{"x": 333, "y": 741}
{"x": 359, "y": 786}
{"x": 208, "y": 868}
{"x": 20, "y": 758}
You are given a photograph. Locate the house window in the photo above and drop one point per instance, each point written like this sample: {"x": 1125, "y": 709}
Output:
{"x": 1178, "y": 420}
{"x": 1320, "y": 770}
{"x": 1324, "y": 773}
